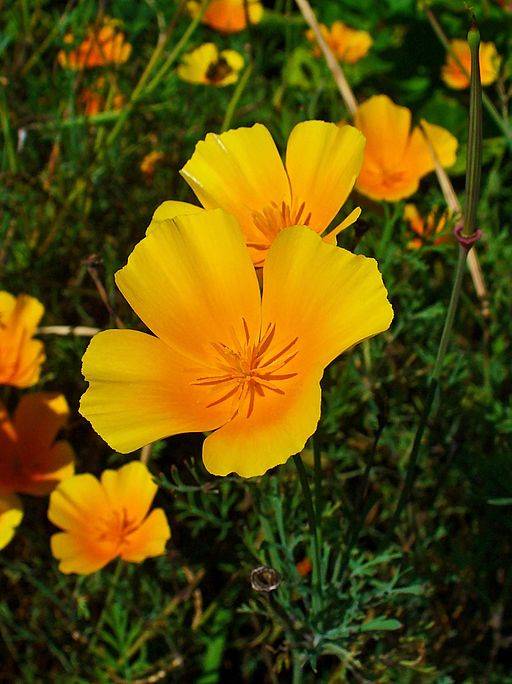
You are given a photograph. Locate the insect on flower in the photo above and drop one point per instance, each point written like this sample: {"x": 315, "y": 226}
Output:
{"x": 206, "y": 65}
{"x": 224, "y": 357}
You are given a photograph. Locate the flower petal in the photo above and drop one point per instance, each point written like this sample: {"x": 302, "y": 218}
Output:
{"x": 11, "y": 515}
{"x": 323, "y": 162}
{"x": 148, "y": 540}
{"x": 418, "y": 157}
{"x": 170, "y": 210}
{"x": 326, "y": 296}
{"x": 78, "y": 555}
{"x": 239, "y": 171}
{"x": 38, "y": 418}
{"x": 141, "y": 391}
{"x": 72, "y": 502}
{"x": 386, "y": 128}
{"x": 278, "y": 427}
{"x": 190, "y": 280}
{"x": 131, "y": 488}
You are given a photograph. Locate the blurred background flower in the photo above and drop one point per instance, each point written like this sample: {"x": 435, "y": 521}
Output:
{"x": 228, "y": 16}
{"x": 348, "y": 45}
{"x": 102, "y": 46}
{"x": 456, "y": 77}
{"x": 206, "y": 65}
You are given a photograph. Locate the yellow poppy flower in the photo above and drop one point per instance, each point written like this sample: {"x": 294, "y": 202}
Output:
{"x": 241, "y": 172}
{"x": 455, "y": 77}
{"x": 102, "y": 46}
{"x": 32, "y": 461}
{"x": 228, "y": 16}
{"x": 347, "y": 44}
{"x": 20, "y": 355}
{"x": 429, "y": 229}
{"x": 397, "y": 157}
{"x": 107, "y": 518}
{"x": 224, "y": 357}
{"x": 208, "y": 66}
{"x": 11, "y": 514}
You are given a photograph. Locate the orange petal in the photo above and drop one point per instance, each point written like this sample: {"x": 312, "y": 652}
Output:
{"x": 131, "y": 489}
{"x": 76, "y": 553}
{"x": 148, "y": 540}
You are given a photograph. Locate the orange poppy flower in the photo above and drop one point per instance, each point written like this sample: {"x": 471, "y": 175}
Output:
{"x": 458, "y": 78}
{"x": 241, "y": 172}
{"x": 93, "y": 100}
{"x": 101, "y": 47}
{"x": 228, "y": 16}
{"x": 148, "y": 164}
{"x": 347, "y": 44}
{"x": 11, "y": 514}
{"x": 120, "y": 526}
{"x": 32, "y": 461}
{"x": 429, "y": 230}
{"x": 224, "y": 357}
{"x": 21, "y": 356}
{"x": 397, "y": 157}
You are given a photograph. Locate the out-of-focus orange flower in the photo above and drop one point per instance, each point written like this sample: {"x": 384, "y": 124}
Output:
{"x": 32, "y": 462}
{"x": 304, "y": 567}
{"x": 20, "y": 355}
{"x": 148, "y": 164}
{"x": 458, "y": 78}
{"x": 93, "y": 100}
{"x": 506, "y": 4}
{"x": 107, "y": 518}
{"x": 206, "y": 65}
{"x": 11, "y": 514}
{"x": 348, "y": 45}
{"x": 228, "y": 16}
{"x": 101, "y": 46}
{"x": 397, "y": 156}
{"x": 429, "y": 230}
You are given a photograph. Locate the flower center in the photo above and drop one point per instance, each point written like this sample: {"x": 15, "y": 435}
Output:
{"x": 249, "y": 370}
{"x": 274, "y": 217}
{"x": 218, "y": 71}
{"x": 115, "y": 527}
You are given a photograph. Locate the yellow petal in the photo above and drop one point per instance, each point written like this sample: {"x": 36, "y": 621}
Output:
{"x": 278, "y": 427}
{"x": 328, "y": 297}
{"x": 385, "y": 126}
{"x": 193, "y": 276}
{"x": 27, "y": 313}
{"x": 131, "y": 489}
{"x": 11, "y": 515}
{"x": 444, "y": 143}
{"x": 323, "y": 162}
{"x": 73, "y": 501}
{"x": 239, "y": 171}
{"x": 141, "y": 390}
{"x": 194, "y": 65}
{"x": 349, "y": 220}
{"x": 148, "y": 540}
{"x": 78, "y": 555}
{"x": 170, "y": 210}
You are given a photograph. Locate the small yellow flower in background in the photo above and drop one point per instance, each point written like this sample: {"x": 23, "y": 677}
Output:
{"x": 429, "y": 230}
{"x": 347, "y": 44}
{"x": 455, "y": 77}
{"x": 241, "y": 172}
{"x": 11, "y": 514}
{"x": 21, "y": 356}
{"x": 93, "y": 100}
{"x": 228, "y": 16}
{"x": 107, "y": 518}
{"x": 32, "y": 462}
{"x": 396, "y": 156}
{"x": 148, "y": 164}
{"x": 208, "y": 66}
{"x": 102, "y": 46}
{"x": 224, "y": 357}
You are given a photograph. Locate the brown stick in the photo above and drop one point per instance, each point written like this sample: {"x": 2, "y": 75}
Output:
{"x": 333, "y": 64}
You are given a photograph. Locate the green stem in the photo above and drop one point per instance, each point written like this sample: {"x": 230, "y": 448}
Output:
{"x": 235, "y": 98}
{"x": 108, "y": 600}
{"x": 308, "y": 500}
{"x": 501, "y": 122}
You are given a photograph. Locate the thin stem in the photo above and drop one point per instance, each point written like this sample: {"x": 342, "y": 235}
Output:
{"x": 235, "y": 98}
{"x": 110, "y": 595}
{"x": 308, "y": 500}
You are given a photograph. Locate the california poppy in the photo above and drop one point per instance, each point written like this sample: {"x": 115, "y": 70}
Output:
{"x": 397, "y": 156}
{"x": 458, "y": 78}
{"x": 224, "y": 357}
{"x": 102, "y": 46}
{"x": 427, "y": 230}
{"x": 347, "y": 44}
{"x": 241, "y": 172}
{"x": 228, "y": 16}
{"x": 32, "y": 461}
{"x": 21, "y": 356}
{"x": 208, "y": 66}
{"x": 120, "y": 526}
